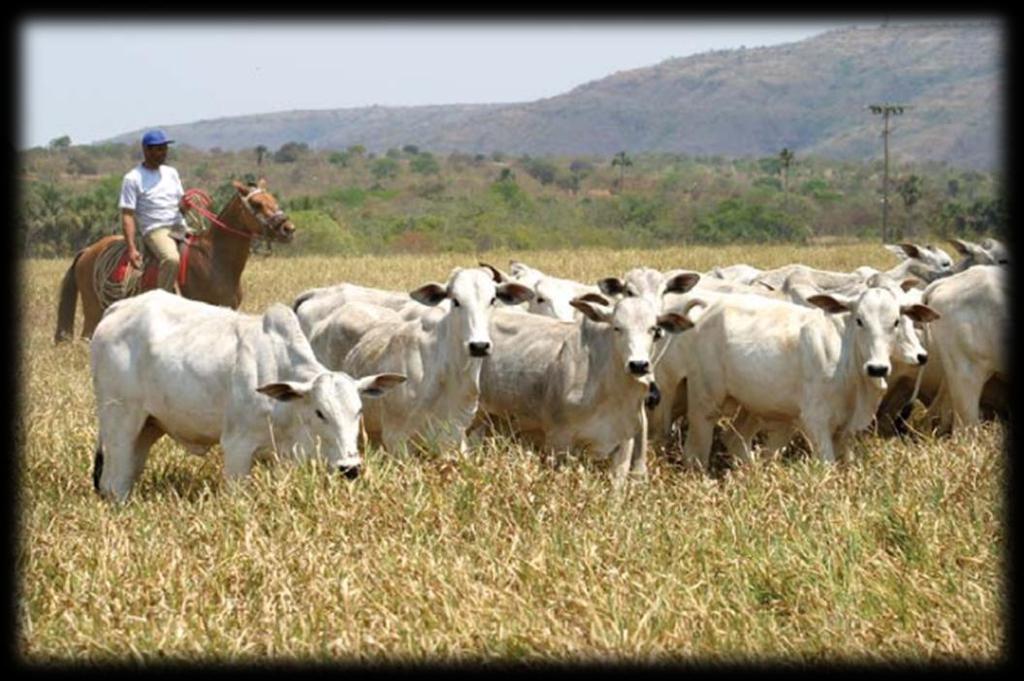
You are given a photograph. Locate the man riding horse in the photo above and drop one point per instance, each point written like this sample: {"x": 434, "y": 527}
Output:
{"x": 152, "y": 200}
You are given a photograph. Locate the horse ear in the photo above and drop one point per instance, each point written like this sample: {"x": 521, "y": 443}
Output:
{"x": 242, "y": 189}
{"x": 262, "y": 183}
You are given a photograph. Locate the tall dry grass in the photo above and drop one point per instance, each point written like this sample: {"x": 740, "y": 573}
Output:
{"x": 896, "y": 556}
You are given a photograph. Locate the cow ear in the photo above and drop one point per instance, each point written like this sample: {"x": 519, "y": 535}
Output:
{"x": 674, "y": 323}
{"x": 961, "y": 246}
{"x": 286, "y": 391}
{"x": 496, "y": 274}
{"x": 912, "y": 250}
{"x": 512, "y": 293}
{"x": 429, "y": 294}
{"x": 595, "y": 298}
{"x": 378, "y": 384}
{"x": 911, "y": 282}
{"x": 613, "y": 286}
{"x": 682, "y": 282}
{"x": 828, "y": 303}
{"x": 920, "y": 313}
{"x": 593, "y": 311}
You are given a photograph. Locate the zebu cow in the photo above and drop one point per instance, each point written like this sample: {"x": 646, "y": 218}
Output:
{"x": 787, "y": 363}
{"x": 742, "y": 273}
{"x": 552, "y": 295}
{"x": 577, "y": 384}
{"x": 440, "y": 351}
{"x": 991, "y": 252}
{"x": 314, "y": 305}
{"x": 203, "y": 374}
{"x": 670, "y": 369}
{"x": 969, "y": 339}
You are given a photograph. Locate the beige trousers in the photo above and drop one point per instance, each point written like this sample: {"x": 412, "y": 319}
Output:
{"x": 165, "y": 248}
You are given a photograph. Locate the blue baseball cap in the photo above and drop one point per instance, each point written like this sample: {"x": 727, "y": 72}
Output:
{"x": 155, "y": 137}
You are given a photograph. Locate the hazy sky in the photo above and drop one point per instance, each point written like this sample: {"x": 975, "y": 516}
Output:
{"x": 96, "y": 79}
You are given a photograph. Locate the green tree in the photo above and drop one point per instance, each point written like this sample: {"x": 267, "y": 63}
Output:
{"x": 290, "y": 152}
{"x": 59, "y": 143}
{"x": 622, "y": 161}
{"x": 260, "y": 153}
{"x": 910, "y": 191}
{"x": 424, "y": 163}
{"x": 384, "y": 168}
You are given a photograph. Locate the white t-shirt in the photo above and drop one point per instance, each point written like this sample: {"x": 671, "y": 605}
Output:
{"x": 153, "y": 195}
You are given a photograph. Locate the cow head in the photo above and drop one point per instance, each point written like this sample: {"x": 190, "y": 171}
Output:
{"x": 874, "y": 327}
{"x": 633, "y": 326}
{"x": 649, "y": 283}
{"x": 327, "y": 408}
{"x": 473, "y": 293}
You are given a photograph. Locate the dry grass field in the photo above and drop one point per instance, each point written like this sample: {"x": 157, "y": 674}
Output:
{"x": 897, "y": 555}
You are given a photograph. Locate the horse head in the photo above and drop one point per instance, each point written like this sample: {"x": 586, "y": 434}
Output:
{"x": 270, "y": 221}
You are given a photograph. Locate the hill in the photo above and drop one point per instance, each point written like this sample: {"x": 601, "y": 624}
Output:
{"x": 810, "y": 96}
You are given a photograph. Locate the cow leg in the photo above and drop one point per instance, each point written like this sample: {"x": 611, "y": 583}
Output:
{"x": 779, "y": 435}
{"x": 739, "y": 437}
{"x": 966, "y": 397}
{"x": 239, "y": 448}
{"x": 821, "y": 440}
{"x": 638, "y": 459}
{"x": 621, "y": 458}
{"x": 699, "y": 436}
{"x": 121, "y": 432}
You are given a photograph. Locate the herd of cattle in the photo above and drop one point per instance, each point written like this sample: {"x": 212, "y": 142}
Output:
{"x": 602, "y": 367}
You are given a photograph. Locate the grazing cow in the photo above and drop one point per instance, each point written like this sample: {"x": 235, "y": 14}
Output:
{"x": 552, "y": 295}
{"x": 787, "y": 363}
{"x": 203, "y": 374}
{"x": 969, "y": 339}
{"x": 582, "y": 384}
{"x": 440, "y": 351}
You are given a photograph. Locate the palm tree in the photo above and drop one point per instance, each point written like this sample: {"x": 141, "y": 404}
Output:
{"x": 622, "y": 161}
{"x": 910, "y": 192}
{"x": 785, "y": 157}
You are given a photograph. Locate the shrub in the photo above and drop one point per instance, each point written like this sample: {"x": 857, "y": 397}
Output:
{"x": 736, "y": 220}
{"x": 316, "y": 233}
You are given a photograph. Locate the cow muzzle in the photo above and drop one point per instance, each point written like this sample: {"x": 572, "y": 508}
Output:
{"x": 480, "y": 348}
{"x": 922, "y": 358}
{"x": 639, "y": 367}
{"x": 877, "y": 370}
{"x": 350, "y": 472}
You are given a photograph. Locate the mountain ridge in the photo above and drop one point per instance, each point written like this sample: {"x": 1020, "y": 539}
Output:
{"x": 810, "y": 96}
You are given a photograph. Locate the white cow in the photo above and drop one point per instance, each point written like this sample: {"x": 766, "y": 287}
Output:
{"x": 969, "y": 340}
{"x": 314, "y": 305}
{"x": 566, "y": 384}
{"x": 440, "y": 352}
{"x": 782, "y": 362}
{"x": 742, "y": 273}
{"x": 203, "y": 374}
{"x": 991, "y": 252}
{"x": 552, "y": 294}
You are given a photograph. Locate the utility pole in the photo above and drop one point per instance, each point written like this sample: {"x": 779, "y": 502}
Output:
{"x": 886, "y": 110}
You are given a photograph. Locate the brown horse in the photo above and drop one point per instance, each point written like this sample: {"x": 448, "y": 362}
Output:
{"x": 213, "y": 263}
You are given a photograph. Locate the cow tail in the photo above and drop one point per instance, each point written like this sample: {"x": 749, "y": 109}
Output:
{"x": 97, "y": 466}
{"x": 68, "y": 301}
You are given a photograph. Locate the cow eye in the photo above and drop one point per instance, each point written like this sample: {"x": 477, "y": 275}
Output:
{"x": 494, "y": 300}
{"x": 618, "y": 329}
{"x": 541, "y": 301}
{"x": 895, "y": 323}
{"x": 321, "y": 415}
{"x": 859, "y": 322}
{"x": 658, "y": 332}
{"x": 456, "y": 303}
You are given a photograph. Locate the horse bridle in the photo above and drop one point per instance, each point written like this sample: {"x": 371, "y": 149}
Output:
{"x": 271, "y": 224}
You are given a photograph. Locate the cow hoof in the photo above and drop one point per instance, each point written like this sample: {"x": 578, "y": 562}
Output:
{"x": 350, "y": 472}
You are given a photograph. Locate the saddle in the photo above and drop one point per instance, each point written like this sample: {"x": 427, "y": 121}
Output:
{"x": 150, "y": 265}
